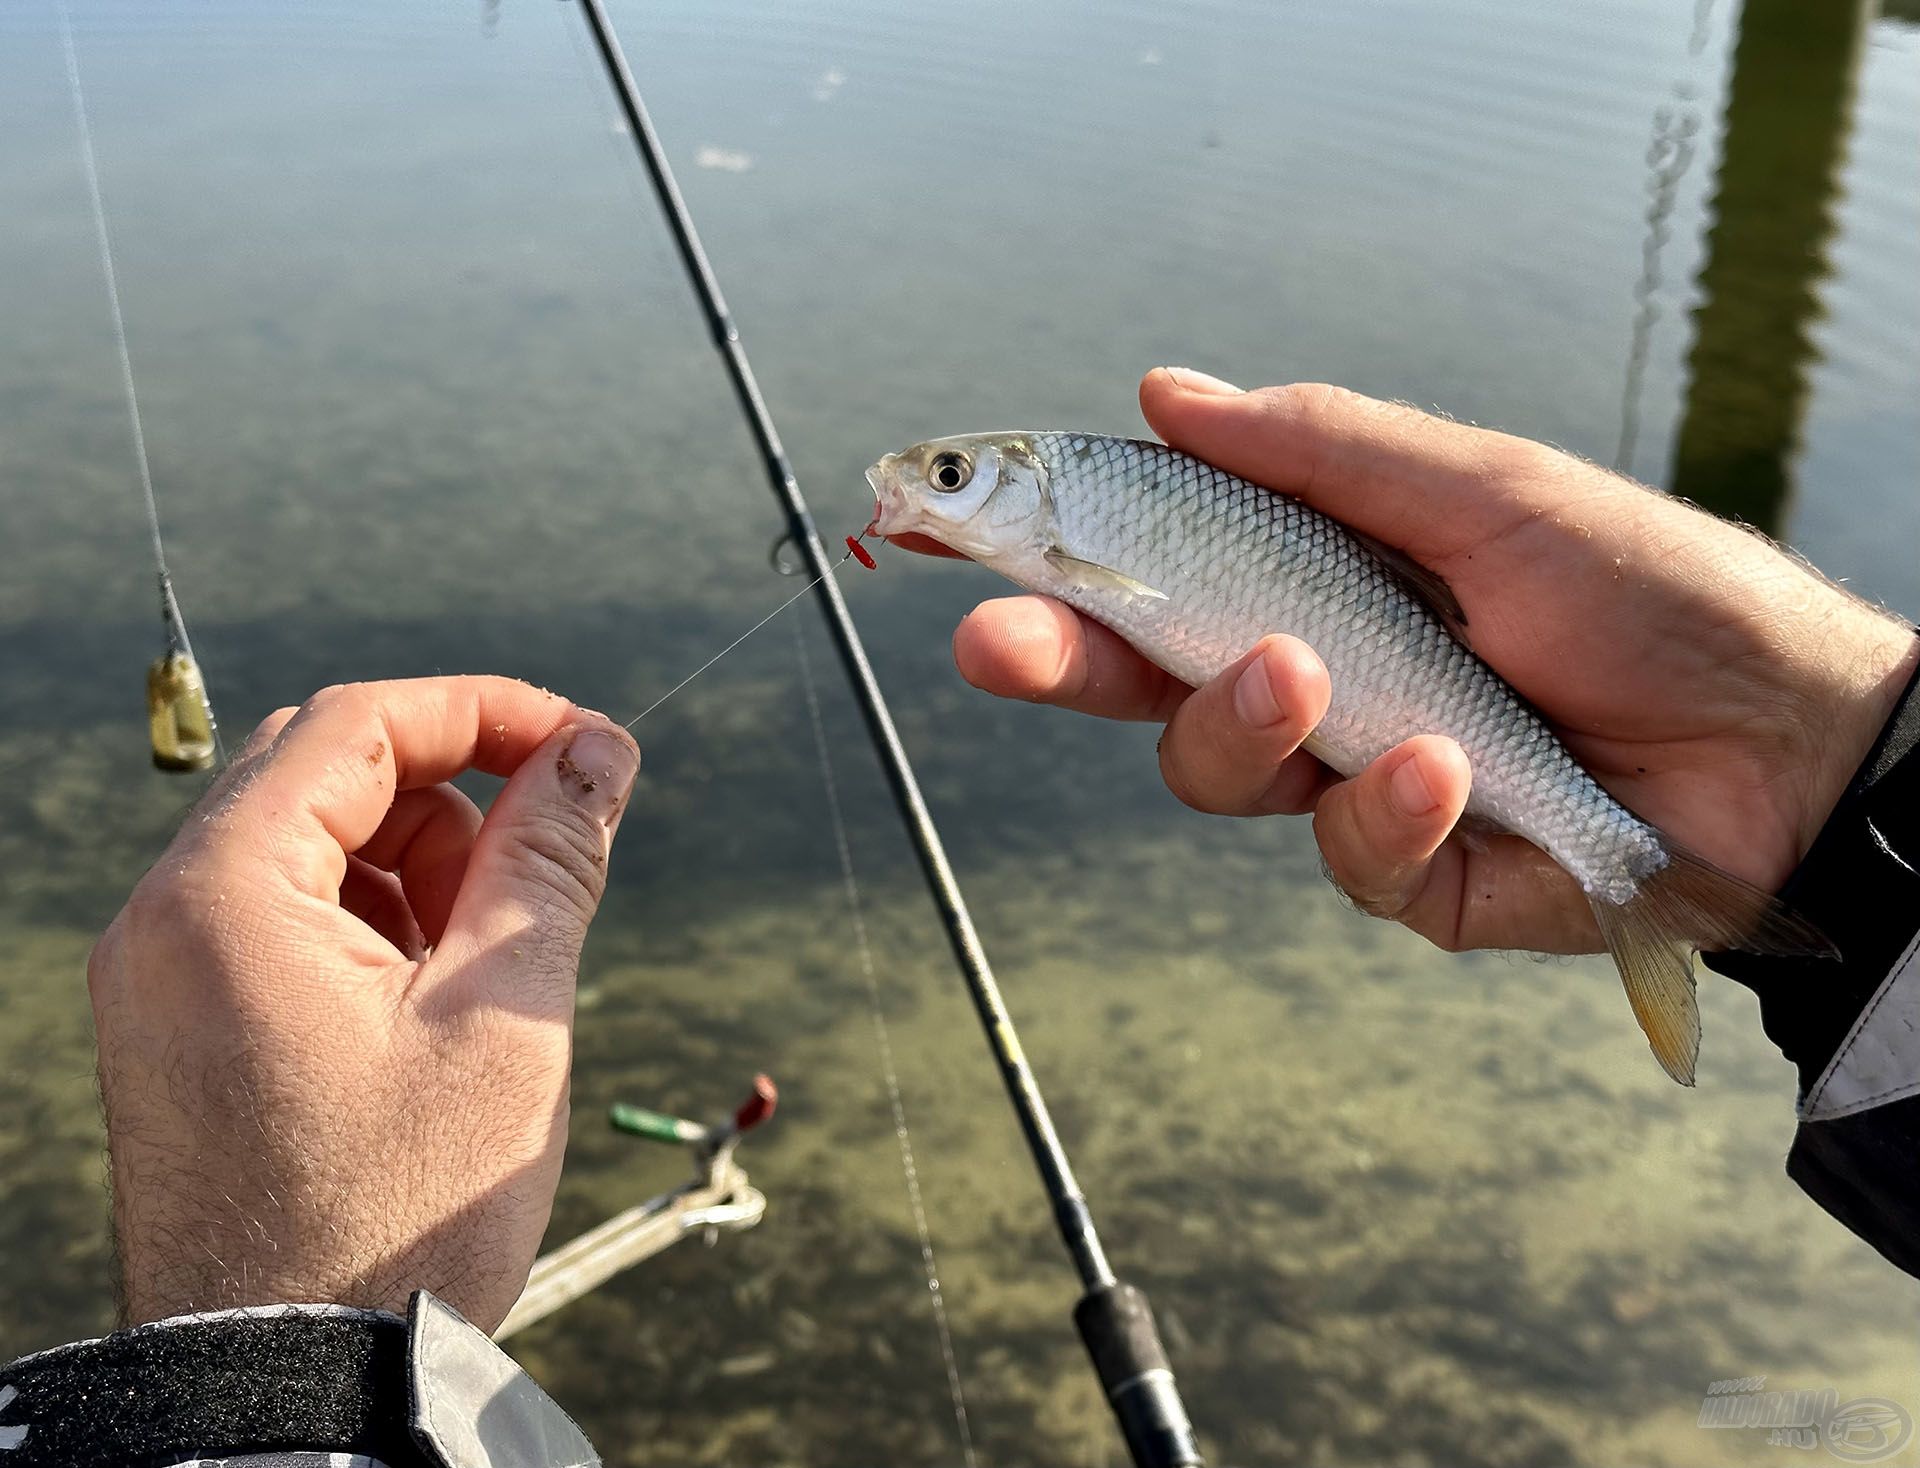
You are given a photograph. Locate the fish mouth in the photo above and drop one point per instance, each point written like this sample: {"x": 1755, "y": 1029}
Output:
{"x": 889, "y": 505}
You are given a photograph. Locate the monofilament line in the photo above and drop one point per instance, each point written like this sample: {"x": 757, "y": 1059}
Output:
{"x": 884, "y": 1044}
{"x": 735, "y": 643}
{"x": 89, "y": 166}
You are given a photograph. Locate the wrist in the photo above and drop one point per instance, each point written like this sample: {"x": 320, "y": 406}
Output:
{"x": 178, "y": 1262}
{"x": 192, "y": 1233}
{"x": 252, "y": 1271}
{"x": 1856, "y": 883}
{"x": 1867, "y": 667}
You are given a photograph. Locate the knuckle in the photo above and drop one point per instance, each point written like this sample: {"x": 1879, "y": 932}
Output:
{"x": 329, "y": 702}
{"x": 1191, "y": 798}
{"x": 354, "y": 701}
{"x": 163, "y": 920}
{"x": 1330, "y": 823}
{"x": 169, "y": 917}
{"x": 1212, "y": 762}
{"x": 1387, "y": 905}
{"x": 1346, "y": 861}
{"x": 1176, "y": 772}
{"x": 561, "y": 862}
{"x": 272, "y": 724}
{"x": 1313, "y": 403}
{"x": 328, "y": 697}
{"x": 1380, "y": 886}
{"x": 154, "y": 907}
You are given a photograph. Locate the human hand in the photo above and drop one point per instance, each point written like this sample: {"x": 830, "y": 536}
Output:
{"x": 1719, "y": 688}
{"x": 335, "y": 1019}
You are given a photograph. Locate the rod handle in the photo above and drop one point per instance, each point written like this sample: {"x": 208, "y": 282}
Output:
{"x": 1116, "y": 1322}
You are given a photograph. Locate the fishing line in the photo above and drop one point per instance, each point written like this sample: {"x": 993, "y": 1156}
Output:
{"x": 170, "y": 613}
{"x": 882, "y": 1037}
{"x": 884, "y": 1044}
{"x": 853, "y": 550}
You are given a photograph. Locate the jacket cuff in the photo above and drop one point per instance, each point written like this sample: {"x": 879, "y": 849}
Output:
{"x": 430, "y": 1391}
{"x": 1860, "y": 885}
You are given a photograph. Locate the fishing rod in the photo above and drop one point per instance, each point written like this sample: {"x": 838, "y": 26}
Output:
{"x": 1114, "y": 1319}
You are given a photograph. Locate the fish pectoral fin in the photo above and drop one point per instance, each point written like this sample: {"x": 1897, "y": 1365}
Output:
{"x": 1429, "y": 588}
{"x": 1096, "y": 577}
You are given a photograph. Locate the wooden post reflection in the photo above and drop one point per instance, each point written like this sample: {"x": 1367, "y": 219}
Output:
{"x": 1789, "y": 105}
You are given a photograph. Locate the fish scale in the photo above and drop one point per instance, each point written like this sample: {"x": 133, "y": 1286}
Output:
{"x": 1236, "y": 562}
{"x": 1193, "y": 565}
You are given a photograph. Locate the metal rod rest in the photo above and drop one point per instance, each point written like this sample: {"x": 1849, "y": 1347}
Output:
{"x": 629, "y": 1238}
{"x": 1162, "y": 1438}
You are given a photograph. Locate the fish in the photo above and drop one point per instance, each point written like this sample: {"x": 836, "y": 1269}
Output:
{"x": 1193, "y": 565}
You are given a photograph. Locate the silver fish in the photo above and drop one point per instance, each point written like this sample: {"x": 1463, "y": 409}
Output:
{"x": 1192, "y": 566}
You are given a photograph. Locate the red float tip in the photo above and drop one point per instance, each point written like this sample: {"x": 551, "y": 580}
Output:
{"x": 759, "y": 1106}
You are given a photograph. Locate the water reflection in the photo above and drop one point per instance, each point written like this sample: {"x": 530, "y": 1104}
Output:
{"x": 1789, "y": 106}
{"x": 1670, "y": 153}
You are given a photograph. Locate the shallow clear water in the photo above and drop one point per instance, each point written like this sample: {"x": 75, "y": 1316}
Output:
{"x": 425, "y": 391}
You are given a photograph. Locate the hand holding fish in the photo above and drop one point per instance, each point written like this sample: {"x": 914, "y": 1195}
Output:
{"x": 1714, "y": 694}
{"x": 335, "y": 1019}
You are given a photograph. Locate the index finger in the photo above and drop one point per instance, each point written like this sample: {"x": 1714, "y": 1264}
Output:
{"x": 334, "y": 769}
{"x": 1040, "y": 650}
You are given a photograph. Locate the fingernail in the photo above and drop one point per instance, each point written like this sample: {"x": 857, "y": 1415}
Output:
{"x": 1200, "y": 382}
{"x": 1412, "y": 795}
{"x": 1253, "y": 696}
{"x": 597, "y": 770}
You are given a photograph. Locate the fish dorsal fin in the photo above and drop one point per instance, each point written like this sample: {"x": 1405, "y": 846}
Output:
{"x": 1429, "y": 588}
{"x": 1096, "y": 577}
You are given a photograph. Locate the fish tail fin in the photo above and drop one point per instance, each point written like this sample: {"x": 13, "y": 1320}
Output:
{"x": 1689, "y": 904}
{"x": 1657, "y": 971}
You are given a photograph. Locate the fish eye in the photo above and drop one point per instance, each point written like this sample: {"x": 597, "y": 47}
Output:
{"x": 950, "y": 471}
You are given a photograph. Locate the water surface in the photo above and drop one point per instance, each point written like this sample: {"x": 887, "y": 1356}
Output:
{"x": 425, "y": 392}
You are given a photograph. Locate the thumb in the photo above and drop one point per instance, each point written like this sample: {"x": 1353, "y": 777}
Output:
{"x": 1420, "y": 483}
{"x": 539, "y": 864}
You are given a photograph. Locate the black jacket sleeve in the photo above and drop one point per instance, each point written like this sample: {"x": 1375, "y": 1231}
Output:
{"x": 285, "y": 1386}
{"x": 1853, "y": 1027}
